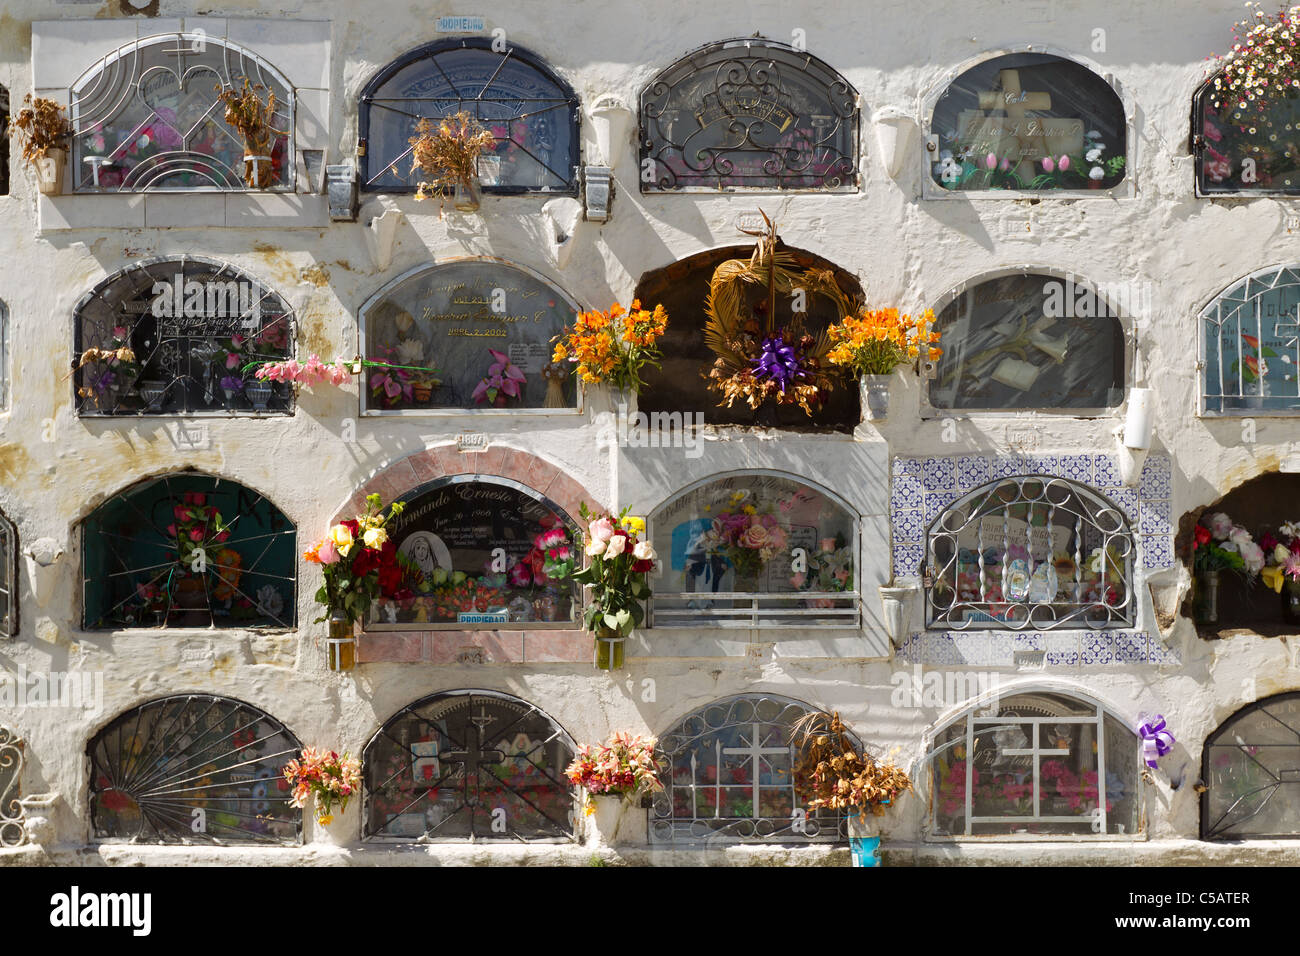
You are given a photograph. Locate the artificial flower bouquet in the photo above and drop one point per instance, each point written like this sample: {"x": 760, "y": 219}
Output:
{"x": 1220, "y": 545}
{"x": 359, "y": 562}
{"x": 196, "y": 527}
{"x": 876, "y": 341}
{"x": 328, "y": 776}
{"x": 830, "y": 772}
{"x": 113, "y": 368}
{"x": 625, "y": 765}
{"x": 503, "y": 381}
{"x": 747, "y": 537}
{"x": 613, "y": 346}
{"x": 1282, "y": 557}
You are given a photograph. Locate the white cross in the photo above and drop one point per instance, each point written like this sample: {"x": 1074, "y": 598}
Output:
{"x": 755, "y": 752}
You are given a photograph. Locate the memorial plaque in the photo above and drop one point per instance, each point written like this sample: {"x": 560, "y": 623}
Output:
{"x": 472, "y": 334}
{"x": 470, "y": 555}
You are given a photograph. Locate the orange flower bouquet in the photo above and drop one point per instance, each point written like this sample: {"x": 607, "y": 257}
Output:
{"x": 876, "y": 341}
{"x": 613, "y": 346}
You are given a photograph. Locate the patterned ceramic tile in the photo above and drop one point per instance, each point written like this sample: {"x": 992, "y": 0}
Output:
{"x": 1028, "y": 642}
{"x": 1157, "y": 551}
{"x": 1105, "y": 471}
{"x": 907, "y": 466}
{"x": 1156, "y": 478}
{"x": 937, "y": 501}
{"x": 939, "y": 474}
{"x": 1162, "y": 654}
{"x": 972, "y": 471}
{"x": 1131, "y": 647}
{"x": 1045, "y": 465}
{"x": 1062, "y": 649}
{"x": 905, "y": 493}
{"x": 1077, "y": 468}
{"x": 907, "y": 559}
{"x": 1001, "y": 649}
{"x": 910, "y": 652}
{"x": 1127, "y": 499}
{"x": 1155, "y": 518}
{"x": 1097, "y": 649}
{"x": 939, "y": 649}
{"x": 1010, "y": 465}
{"x": 907, "y": 525}
{"x": 973, "y": 648}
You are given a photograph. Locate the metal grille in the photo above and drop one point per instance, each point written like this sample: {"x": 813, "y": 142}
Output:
{"x": 196, "y": 327}
{"x": 531, "y": 111}
{"x": 1252, "y": 767}
{"x": 469, "y": 765}
{"x": 8, "y": 574}
{"x": 755, "y": 550}
{"x": 1030, "y": 553}
{"x": 12, "y": 829}
{"x": 1030, "y": 766}
{"x": 1250, "y": 346}
{"x": 146, "y": 117}
{"x": 193, "y": 769}
{"x": 1249, "y": 150}
{"x": 731, "y": 778}
{"x": 750, "y": 114}
{"x": 188, "y": 550}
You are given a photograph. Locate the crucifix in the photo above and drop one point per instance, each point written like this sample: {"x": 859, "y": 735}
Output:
{"x": 755, "y": 751}
{"x": 1017, "y": 136}
{"x": 474, "y": 756}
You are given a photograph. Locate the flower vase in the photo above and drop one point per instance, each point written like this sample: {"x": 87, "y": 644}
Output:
{"x": 190, "y": 606}
{"x": 259, "y": 393}
{"x": 1291, "y": 601}
{"x": 153, "y": 393}
{"x": 465, "y": 197}
{"x": 258, "y": 171}
{"x": 864, "y": 840}
{"x": 874, "y": 393}
{"x": 422, "y": 392}
{"x": 49, "y": 172}
{"x": 1207, "y": 597}
{"x": 342, "y": 643}
{"x": 609, "y": 649}
{"x": 604, "y": 823}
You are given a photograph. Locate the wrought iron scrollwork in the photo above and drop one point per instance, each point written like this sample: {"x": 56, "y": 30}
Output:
{"x": 469, "y": 765}
{"x": 12, "y": 829}
{"x": 750, "y": 113}
{"x": 731, "y": 777}
{"x": 1030, "y": 553}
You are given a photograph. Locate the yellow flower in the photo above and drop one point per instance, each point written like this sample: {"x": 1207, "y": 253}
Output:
{"x": 590, "y": 808}
{"x": 325, "y": 819}
{"x": 375, "y": 537}
{"x": 341, "y": 535}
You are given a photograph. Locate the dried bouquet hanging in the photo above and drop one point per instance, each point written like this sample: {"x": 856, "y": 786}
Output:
{"x": 758, "y": 359}
{"x": 254, "y": 120}
{"x": 40, "y": 126}
{"x": 830, "y": 773}
{"x": 447, "y": 155}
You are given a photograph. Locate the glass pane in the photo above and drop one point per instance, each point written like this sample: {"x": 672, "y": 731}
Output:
{"x": 526, "y": 108}
{"x": 187, "y": 550}
{"x": 447, "y": 766}
{"x": 471, "y": 554}
{"x": 459, "y": 319}
{"x": 8, "y": 618}
{"x": 760, "y": 535}
{"x": 1029, "y": 341}
{"x": 149, "y": 118}
{"x": 1252, "y": 345}
{"x": 1031, "y": 553}
{"x": 203, "y": 769}
{"x": 1029, "y": 121}
{"x": 750, "y": 114}
{"x": 731, "y": 776}
{"x": 1252, "y": 767}
{"x": 1253, "y": 148}
{"x": 174, "y": 338}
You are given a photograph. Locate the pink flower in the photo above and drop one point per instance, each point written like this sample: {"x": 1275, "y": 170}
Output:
{"x": 196, "y": 534}
{"x": 1063, "y": 164}
{"x": 990, "y": 161}
{"x": 327, "y": 552}
{"x": 1005, "y": 165}
{"x": 232, "y": 360}
{"x": 1048, "y": 164}
{"x": 602, "y": 529}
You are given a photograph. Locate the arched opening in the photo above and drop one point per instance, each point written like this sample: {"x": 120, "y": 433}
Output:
{"x": 1250, "y": 345}
{"x": 1251, "y": 769}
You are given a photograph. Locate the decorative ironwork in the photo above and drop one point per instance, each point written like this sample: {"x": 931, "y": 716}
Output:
{"x": 193, "y": 769}
{"x": 732, "y": 777}
{"x": 531, "y": 111}
{"x": 1243, "y": 149}
{"x": 147, "y": 117}
{"x": 1030, "y": 766}
{"x": 1008, "y": 122}
{"x": 469, "y": 765}
{"x": 453, "y": 317}
{"x": 750, "y": 113}
{"x": 1250, "y": 346}
{"x": 755, "y": 551}
{"x": 1029, "y": 340}
{"x": 188, "y": 550}
{"x": 8, "y": 575}
{"x": 1251, "y": 765}
{"x": 191, "y": 328}
{"x": 13, "y": 830}
{"x": 1030, "y": 553}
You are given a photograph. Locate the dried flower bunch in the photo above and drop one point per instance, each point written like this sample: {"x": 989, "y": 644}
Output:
{"x": 254, "y": 120}
{"x": 829, "y": 772}
{"x": 448, "y": 153}
{"x": 42, "y": 126}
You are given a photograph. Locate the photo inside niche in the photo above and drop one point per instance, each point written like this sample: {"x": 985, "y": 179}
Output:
{"x": 1029, "y": 121}
{"x": 681, "y": 383}
{"x": 1029, "y": 341}
{"x": 468, "y": 334}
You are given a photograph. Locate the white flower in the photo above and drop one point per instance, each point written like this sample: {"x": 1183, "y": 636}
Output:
{"x": 1220, "y": 525}
{"x": 1280, "y": 554}
{"x": 269, "y": 601}
{"x": 1096, "y": 173}
{"x": 644, "y": 551}
{"x": 1253, "y": 557}
{"x": 594, "y": 547}
{"x": 1093, "y": 134}
{"x": 410, "y": 352}
{"x": 1093, "y": 155}
{"x": 615, "y": 546}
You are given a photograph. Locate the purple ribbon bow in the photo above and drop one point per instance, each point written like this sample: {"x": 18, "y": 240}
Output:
{"x": 778, "y": 362}
{"x": 1156, "y": 741}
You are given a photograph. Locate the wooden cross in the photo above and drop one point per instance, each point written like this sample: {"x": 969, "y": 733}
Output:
{"x": 1016, "y": 102}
